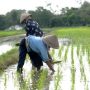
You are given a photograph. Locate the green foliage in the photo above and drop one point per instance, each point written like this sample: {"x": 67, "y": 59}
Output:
{"x": 68, "y": 17}
{"x": 42, "y": 79}
{"x": 43, "y": 16}
{"x": 11, "y": 33}
{"x": 8, "y": 58}
{"x": 75, "y": 34}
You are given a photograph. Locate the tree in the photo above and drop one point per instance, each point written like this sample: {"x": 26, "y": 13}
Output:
{"x": 43, "y": 16}
{"x": 3, "y": 23}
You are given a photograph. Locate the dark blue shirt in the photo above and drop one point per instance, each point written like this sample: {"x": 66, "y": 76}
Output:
{"x": 32, "y": 28}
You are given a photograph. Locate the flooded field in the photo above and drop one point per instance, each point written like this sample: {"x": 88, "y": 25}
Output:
{"x": 73, "y": 73}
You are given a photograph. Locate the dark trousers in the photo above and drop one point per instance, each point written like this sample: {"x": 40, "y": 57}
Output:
{"x": 34, "y": 57}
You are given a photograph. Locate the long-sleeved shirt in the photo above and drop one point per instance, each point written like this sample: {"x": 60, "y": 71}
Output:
{"x": 38, "y": 46}
{"x": 32, "y": 28}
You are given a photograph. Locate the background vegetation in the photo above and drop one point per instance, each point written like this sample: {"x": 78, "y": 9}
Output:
{"x": 68, "y": 17}
{"x": 9, "y": 58}
{"x": 11, "y": 33}
{"x": 78, "y": 35}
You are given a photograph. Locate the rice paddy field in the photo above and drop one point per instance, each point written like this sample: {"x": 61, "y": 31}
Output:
{"x": 72, "y": 73}
{"x": 11, "y": 33}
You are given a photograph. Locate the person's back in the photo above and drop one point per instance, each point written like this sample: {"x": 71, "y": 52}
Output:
{"x": 31, "y": 27}
{"x": 37, "y": 45}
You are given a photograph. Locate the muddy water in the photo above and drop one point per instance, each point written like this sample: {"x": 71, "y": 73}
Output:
{"x": 73, "y": 73}
{"x": 7, "y": 43}
{"x": 4, "y": 48}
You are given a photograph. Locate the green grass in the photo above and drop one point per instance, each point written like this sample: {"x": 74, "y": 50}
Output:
{"x": 76, "y": 34}
{"x": 8, "y": 59}
{"x": 11, "y": 33}
{"x": 42, "y": 79}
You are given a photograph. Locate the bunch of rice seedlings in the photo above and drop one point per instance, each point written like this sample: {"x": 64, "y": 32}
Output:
{"x": 65, "y": 56}
{"x": 9, "y": 58}
{"x": 72, "y": 69}
{"x": 60, "y": 51}
{"x": 57, "y": 78}
{"x": 42, "y": 79}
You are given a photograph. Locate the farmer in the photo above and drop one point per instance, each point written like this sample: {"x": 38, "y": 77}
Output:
{"x": 41, "y": 45}
{"x": 31, "y": 28}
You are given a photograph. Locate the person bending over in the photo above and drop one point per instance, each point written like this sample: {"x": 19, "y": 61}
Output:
{"x": 41, "y": 45}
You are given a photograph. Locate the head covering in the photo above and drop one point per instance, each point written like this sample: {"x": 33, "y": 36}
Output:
{"x": 51, "y": 40}
{"x": 24, "y": 16}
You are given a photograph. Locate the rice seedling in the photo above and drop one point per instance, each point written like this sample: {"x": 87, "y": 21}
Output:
{"x": 78, "y": 49}
{"x": 57, "y": 78}
{"x": 5, "y": 81}
{"x": 81, "y": 66}
{"x": 60, "y": 50}
{"x": 52, "y": 52}
{"x": 8, "y": 58}
{"x": 83, "y": 49}
{"x": 11, "y": 33}
{"x": 88, "y": 53}
{"x": 22, "y": 82}
{"x": 41, "y": 80}
{"x": 72, "y": 70}
{"x": 65, "y": 56}
{"x": 34, "y": 79}
{"x": 82, "y": 70}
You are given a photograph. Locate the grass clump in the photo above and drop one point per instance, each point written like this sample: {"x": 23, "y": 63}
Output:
{"x": 11, "y": 33}
{"x": 72, "y": 69}
{"x": 41, "y": 81}
{"x": 76, "y": 34}
{"x": 58, "y": 77}
{"x": 8, "y": 58}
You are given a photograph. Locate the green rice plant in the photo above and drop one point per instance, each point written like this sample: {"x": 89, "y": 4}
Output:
{"x": 5, "y": 81}
{"x": 9, "y": 58}
{"x": 57, "y": 78}
{"x": 60, "y": 51}
{"x": 11, "y": 33}
{"x": 65, "y": 56}
{"x": 78, "y": 35}
{"x": 22, "y": 82}
{"x": 34, "y": 79}
{"x": 88, "y": 53}
{"x": 83, "y": 49}
{"x": 86, "y": 87}
{"x": 72, "y": 70}
{"x": 52, "y": 52}
{"x": 78, "y": 50}
{"x": 42, "y": 79}
{"x": 82, "y": 70}
{"x": 81, "y": 66}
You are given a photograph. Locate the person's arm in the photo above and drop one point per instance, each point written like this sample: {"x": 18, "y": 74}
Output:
{"x": 50, "y": 65}
{"x": 44, "y": 54}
